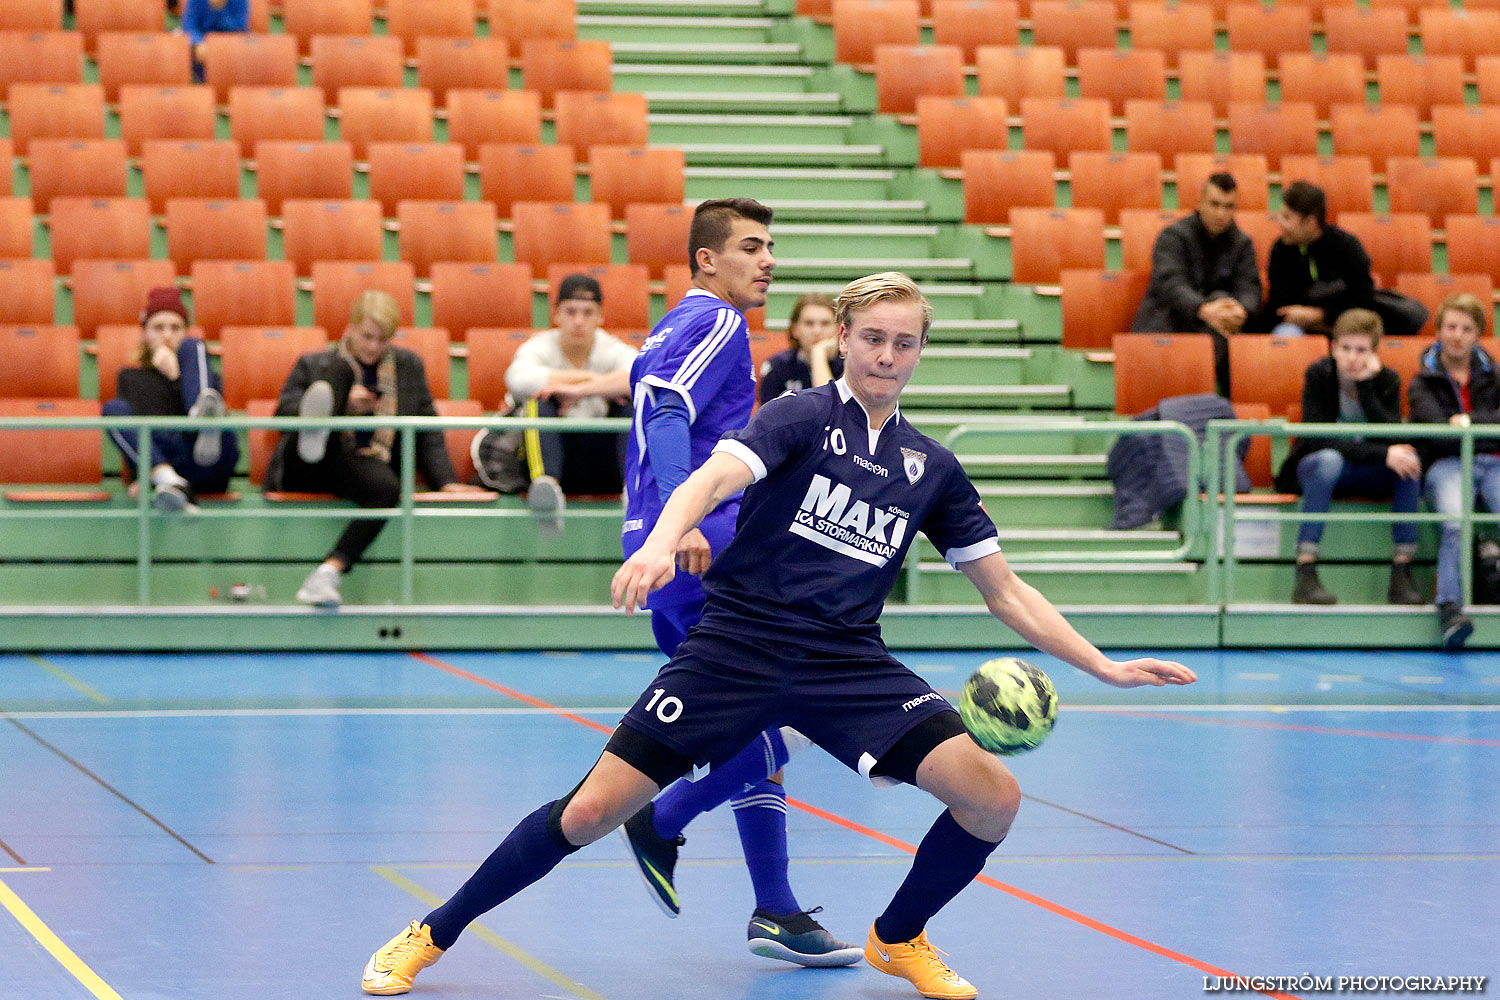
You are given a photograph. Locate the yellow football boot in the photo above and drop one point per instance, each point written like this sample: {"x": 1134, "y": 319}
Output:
{"x": 391, "y": 969}
{"x": 917, "y": 962}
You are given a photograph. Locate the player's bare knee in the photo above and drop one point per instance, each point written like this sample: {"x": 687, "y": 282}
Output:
{"x": 590, "y": 815}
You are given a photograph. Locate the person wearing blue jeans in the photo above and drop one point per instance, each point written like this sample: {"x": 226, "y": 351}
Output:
{"x": 1352, "y": 386}
{"x": 1456, "y": 384}
{"x": 172, "y": 378}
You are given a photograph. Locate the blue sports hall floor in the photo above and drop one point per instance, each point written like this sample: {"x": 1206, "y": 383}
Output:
{"x": 227, "y": 826}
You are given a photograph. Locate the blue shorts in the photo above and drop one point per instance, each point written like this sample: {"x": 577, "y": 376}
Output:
{"x": 676, "y": 608}
{"x": 721, "y": 690}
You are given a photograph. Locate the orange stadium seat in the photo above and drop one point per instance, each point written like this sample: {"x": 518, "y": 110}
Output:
{"x": 548, "y": 232}
{"x": 447, "y": 231}
{"x": 445, "y": 64}
{"x": 1016, "y": 73}
{"x": 148, "y": 112}
{"x": 342, "y": 229}
{"x": 1420, "y": 81}
{"x": 549, "y": 65}
{"x": 413, "y": 19}
{"x": 355, "y": 61}
{"x": 1150, "y": 367}
{"x": 137, "y": 58}
{"x": 586, "y": 119}
{"x": 115, "y": 347}
{"x": 476, "y": 117}
{"x": 375, "y": 114}
{"x": 1139, "y": 228}
{"x": 109, "y": 292}
{"x": 903, "y": 73}
{"x": 1098, "y": 304}
{"x": 54, "y": 111}
{"x": 7, "y": 169}
{"x": 1170, "y": 128}
{"x": 626, "y": 302}
{"x": 189, "y": 169}
{"x": 1403, "y": 355}
{"x": 234, "y": 59}
{"x": 1466, "y": 33}
{"x": 51, "y": 456}
{"x": 519, "y": 20}
{"x": 31, "y": 15}
{"x": 430, "y": 343}
{"x": 1397, "y": 242}
{"x": 1263, "y": 231}
{"x": 293, "y": 114}
{"x": 404, "y": 171}
{"x": 1347, "y": 181}
{"x": 94, "y": 17}
{"x": 1269, "y": 370}
{"x": 1120, "y": 75}
{"x": 1431, "y": 289}
{"x": 947, "y": 126}
{"x": 459, "y": 440}
{"x": 1366, "y": 32}
{"x": 970, "y": 24}
{"x": 261, "y": 441}
{"x": 1274, "y": 130}
{"x": 999, "y": 181}
{"x": 1465, "y": 130}
{"x": 625, "y": 175}
{"x": 1072, "y": 25}
{"x": 1249, "y": 171}
{"x": 1172, "y": 28}
{"x": 1473, "y": 245}
{"x": 1379, "y": 131}
{"x": 289, "y": 169}
{"x": 16, "y": 225}
{"x": 1222, "y": 78}
{"x": 337, "y": 283}
{"x": 26, "y": 297}
{"x": 39, "y": 57}
{"x": 1113, "y": 181}
{"x": 1271, "y": 31}
{"x": 1322, "y": 79}
{"x": 470, "y": 295}
{"x": 215, "y": 229}
{"x": 91, "y": 168}
{"x": 1045, "y": 242}
{"x": 1065, "y": 125}
{"x": 107, "y": 228}
{"x": 243, "y": 293}
{"x": 305, "y": 19}
{"x": 509, "y": 173}
{"x": 1437, "y": 187}
{"x": 257, "y": 359}
{"x": 657, "y": 235}
{"x": 490, "y": 352}
{"x": 859, "y": 26}
{"x": 1487, "y": 79}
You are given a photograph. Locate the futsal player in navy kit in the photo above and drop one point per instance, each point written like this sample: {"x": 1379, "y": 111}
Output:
{"x": 838, "y": 486}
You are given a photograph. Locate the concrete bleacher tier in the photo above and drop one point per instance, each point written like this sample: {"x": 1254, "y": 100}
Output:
{"x": 1016, "y": 156}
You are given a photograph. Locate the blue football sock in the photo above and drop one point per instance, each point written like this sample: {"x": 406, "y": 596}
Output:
{"x": 682, "y": 802}
{"x": 760, "y": 814}
{"x": 947, "y": 860}
{"x": 531, "y": 850}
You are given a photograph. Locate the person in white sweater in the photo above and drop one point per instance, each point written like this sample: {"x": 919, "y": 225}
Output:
{"x": 577, "y": 370}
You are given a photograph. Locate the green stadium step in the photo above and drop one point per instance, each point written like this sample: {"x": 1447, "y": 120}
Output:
{"x": 986, "y": 396}
{"x": 1098, "y": 583}
{"x": 700, "y": 8}
{"x": 799, "y": 183}
{"x": 727, "y": 52}
{"x": 916, "y": 241}
{"x": 975, "y": 331}
{"x": 619, "y": 29}
{"x": 1051, "y": 503}
{"x": 692, "y": 128}
{"x": 1014, "y": 465}
{"x": 743, "y": 102}
{"x": 983, "y": 366}
{"x": 1353, "y": 583}
{"x": 952, "y": 300}
{"x": 1058, "y": 544}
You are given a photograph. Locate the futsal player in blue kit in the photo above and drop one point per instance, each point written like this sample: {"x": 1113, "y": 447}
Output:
{"x": 839, "y": 484}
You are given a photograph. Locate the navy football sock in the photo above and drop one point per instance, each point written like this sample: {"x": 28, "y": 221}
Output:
{"x": 531, "y": 850}
{"x": 947, "y": 860}
{"x": 682, "y": 802}
{"x": 760, "y": 814}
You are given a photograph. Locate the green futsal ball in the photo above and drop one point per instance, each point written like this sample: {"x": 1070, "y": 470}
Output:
{"x": 1008, "y": 705}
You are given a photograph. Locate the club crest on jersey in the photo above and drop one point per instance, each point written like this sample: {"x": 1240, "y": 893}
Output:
{"x": 914, "y": 463}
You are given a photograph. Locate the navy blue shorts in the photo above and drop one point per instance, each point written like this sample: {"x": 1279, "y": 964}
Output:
{"x": 720, "y": 691}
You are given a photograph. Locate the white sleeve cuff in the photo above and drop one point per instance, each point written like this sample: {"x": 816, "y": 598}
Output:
{"x": 687, "y": 397}
{"x": 729, "y": 446}
{"x": 969, "y": 553}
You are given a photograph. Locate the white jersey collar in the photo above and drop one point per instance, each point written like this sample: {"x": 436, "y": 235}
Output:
{"x": 846, "y": 394}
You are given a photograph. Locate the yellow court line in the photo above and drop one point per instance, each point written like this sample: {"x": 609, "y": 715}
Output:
{"x": 54, "y": 945}
{"x": 68, "y": 679}
{"x": 490, "y": 937}
{"x": 28, "y": 868}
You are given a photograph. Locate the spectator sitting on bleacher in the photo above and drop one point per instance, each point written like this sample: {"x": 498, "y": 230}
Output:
{"x": 171, "y": 379}
{"x": 362, "y": 375}
{"x": 1316, "y": 271}
{"x": 1203, "y": 275}
{"x": 1352, "y": 387}
{"x": 1457, "y": 385}
{"x": 573, "y": 370}
{"x": 813, "y": 359}
{"x": 201, "y": 17}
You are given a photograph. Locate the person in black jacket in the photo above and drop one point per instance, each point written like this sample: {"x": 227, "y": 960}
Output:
{"x": 362, "y": 375}
{"x": 1316, "y": 271}
{"x": 1457, "y": 385}
{"x": 1203, "y": 275}
{"x": 1351, "y": 386}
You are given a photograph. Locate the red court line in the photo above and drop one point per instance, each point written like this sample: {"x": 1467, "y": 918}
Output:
{"x": 1374, "y": 734}
{"x": 900, "y": 845}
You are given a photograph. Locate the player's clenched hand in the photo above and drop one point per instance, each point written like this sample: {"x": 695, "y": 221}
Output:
{"x": 693, "y": 553}
{"x": 643, "y": 572}
{"x": 1134, "y": 673}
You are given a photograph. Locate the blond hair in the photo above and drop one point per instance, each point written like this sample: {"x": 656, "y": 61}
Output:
{"x": 378, "y": 306}
{"x": 1360, "y": 322}
{"x": 873, "y": 289}
{"x": 1465, "y": 303}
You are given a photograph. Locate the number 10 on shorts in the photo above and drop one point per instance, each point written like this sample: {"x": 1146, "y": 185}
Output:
{"x": 668, "y": 709}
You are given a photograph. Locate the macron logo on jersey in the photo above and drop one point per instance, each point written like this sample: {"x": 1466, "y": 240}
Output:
{"x": 858, "y": 530}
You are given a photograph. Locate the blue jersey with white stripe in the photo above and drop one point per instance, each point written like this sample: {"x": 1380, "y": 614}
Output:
{"x": 699, "y": 351}
{"x": 825, "y": 527}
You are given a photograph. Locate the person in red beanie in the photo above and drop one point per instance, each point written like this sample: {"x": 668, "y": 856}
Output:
{"x": 172, "y": 378}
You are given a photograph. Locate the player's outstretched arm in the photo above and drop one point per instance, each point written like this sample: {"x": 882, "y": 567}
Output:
{"x": 1034, "y": 618}
{"x": 654, "y": 563}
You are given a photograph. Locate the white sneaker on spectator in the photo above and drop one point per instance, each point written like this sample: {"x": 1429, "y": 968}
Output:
{"x": 317, "y": 401}
{"x": 170, "y": 492}
{"x": 208, "y": 446}
{"x": 546, "y": 500}
{"x": 321, "y": 588}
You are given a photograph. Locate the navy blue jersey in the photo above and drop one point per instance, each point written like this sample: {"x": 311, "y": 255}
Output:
{"x": 700, "y": 352}
{"x": 787, "y": 372}
{"x": 825, "y": 527}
